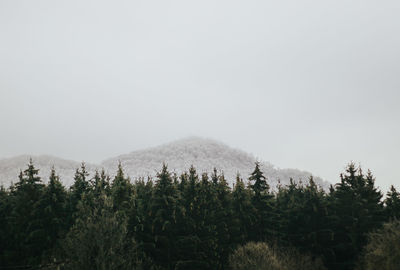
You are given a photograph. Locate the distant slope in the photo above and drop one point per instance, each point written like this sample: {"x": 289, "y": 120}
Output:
{"x": 204, "y": 154}
{"x": 10, "y": 168}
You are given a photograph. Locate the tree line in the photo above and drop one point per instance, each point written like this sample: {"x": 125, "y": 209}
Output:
{"x": 186, "y": 221}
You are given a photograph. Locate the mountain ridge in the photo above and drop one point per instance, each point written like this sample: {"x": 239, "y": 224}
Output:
{"x": 203, "y": 153}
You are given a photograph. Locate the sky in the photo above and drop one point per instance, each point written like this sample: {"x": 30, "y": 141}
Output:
{"x": 302, "y": 84}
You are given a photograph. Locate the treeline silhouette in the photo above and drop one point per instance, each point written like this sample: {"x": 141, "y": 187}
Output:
{"x": 186, "y": 221}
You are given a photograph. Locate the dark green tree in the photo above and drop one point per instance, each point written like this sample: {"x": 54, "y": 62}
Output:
{"x": 163, "y": 213}
{"x": 243, "y": 212}
{"x": 99, "y": 238}
{"x": 263, "y": 201}
{"x": 392, "y": 203}
{"x": 191, "y": 249}
{"x": 121, "y": 190}
{"x": 77, "y": 190}
{"x": 53, "y": 207}
{"x": 26, "y": 218}
{"x": 356, "y": 203}
{"x": 6, "y": 237}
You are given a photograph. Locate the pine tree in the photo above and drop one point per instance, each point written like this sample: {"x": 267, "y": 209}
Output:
{"x": 243, "y": 212}
{"x": 100, "y": 183}
{"x": 140, "y": 219}
{"x": 98, "y": 239}
{"x": 53, "y": 205}
{"x": 357, "y": 204}
{"x": 303, "y": 218}
{"x": 163, "y": 213}
{"x": 6, "y": 237}
{"x": 223, "y": 217}
{"x": 25, "y": 219}
{"x": 392, "y": 203}
{"x": 263, "y": 201}
{"x": 260, "y": 185}
{"x": 121, "y": 190}
{"x": 77, "y": 190}
{"x": 191, "y": 247}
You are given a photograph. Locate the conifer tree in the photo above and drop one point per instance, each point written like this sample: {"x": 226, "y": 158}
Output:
{"x": 121, "y": 190}
{"x": 263, "y": 201}
{"x": 164, "y": 208}
{"x": 26, "y": 219}
{"x": 392, "y": 203}
{"x": 303, "y": 218}
{"x": 140, "y": 219}
{"x": 243, "y": 212}
{"x": 357, "y": 204}
{"x": 189, "y": 221}
{"x": 100, "y": 183}
{"x": 80, "y": 185}
{"x": 53, "y": 204}
{"x": 5, "y": 229}
{"x": 98, "y": 239}
{"x": 223, "y": 216}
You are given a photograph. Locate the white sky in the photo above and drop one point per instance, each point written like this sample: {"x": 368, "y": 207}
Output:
{"x": 302, "y": 84}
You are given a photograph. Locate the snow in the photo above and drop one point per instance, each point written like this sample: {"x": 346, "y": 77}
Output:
{"x": 203, "y": 154}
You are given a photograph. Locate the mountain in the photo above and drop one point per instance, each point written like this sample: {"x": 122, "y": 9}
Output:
{"x": 203, "y": 154}
{"x": 11, "y": 167}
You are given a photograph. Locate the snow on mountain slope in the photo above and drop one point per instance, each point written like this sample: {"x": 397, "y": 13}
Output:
{"x": 203, "y": 154}
{"x": 11, "y": 167}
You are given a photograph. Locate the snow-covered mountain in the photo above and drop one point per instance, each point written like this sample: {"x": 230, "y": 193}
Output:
{"x": 11, "y": 167}
{"x": 203, "y": 154}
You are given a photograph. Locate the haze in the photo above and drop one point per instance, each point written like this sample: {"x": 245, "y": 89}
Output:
{"x": 303, "y": 84}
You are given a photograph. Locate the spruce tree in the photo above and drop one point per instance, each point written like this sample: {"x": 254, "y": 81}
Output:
{"x": 357, "y": 204}
{"x": 77, "y": 190}
{"x": 223, "y": 217}
{"x": 243, "y": 212}
{"x": 121, "y": 190}
{"x": 263, "y": 201}
{"x": 53, "y": 204}
{"x": 392, "y": 203}
{"x": 26, "y": 219}
{"x": 189, "y": 221}
{"x": 164, "y": 209}
{"x": 98, "y": 239}
{"x": 6, "y": 237}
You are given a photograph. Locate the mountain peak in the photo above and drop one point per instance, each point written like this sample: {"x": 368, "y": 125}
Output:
{"x": 203, "y": 153}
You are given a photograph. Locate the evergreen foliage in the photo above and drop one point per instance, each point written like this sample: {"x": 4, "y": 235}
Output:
{"x": 392, "y": 203}
{"x": 189, "y": 221}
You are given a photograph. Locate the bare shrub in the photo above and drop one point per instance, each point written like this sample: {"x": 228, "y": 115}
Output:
{"x": 260, "y": 256}
{"x": 254, "y": 256}
{"x": 383, "y": 248}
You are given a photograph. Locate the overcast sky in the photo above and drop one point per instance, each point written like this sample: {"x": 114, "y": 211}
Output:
{"x": 303, "y": 84}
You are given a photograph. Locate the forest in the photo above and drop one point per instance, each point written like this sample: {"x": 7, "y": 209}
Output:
{"x": 197, "y": 221}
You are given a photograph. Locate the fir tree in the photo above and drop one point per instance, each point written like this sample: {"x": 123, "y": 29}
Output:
{"x": 392, "y": 203}
{"x": 357, "y": 204}
{"x": 163, "y": 213}
{"x": 98, "y": 239}
{"x": 243, "y": 212}
{"x": 77, "y": 190}
{"x": 263, "y": 201}
{"x": 53, "y": 205}
{"x": 121, "y": 190}
{"x": 25, "y": 219}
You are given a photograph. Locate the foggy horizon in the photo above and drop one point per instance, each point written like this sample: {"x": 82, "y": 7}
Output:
{"x": 300, "y": 84}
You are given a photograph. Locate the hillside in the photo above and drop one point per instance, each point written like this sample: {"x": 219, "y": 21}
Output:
{"x": 204, "y": 154}
{"x": 10, "y": 168}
